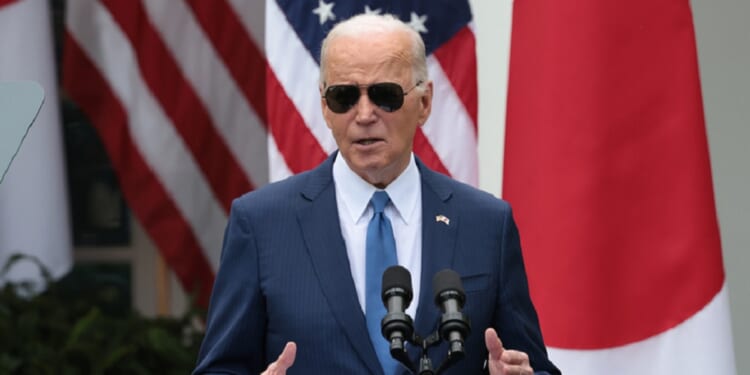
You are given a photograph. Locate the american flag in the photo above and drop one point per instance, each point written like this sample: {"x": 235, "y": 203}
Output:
{"x": 200, "y": 101}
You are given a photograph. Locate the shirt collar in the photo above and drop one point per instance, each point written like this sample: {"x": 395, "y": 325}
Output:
{"x": 356, "y": 196}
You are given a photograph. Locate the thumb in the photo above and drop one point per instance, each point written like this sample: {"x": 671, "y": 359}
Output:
{"x": 285, "y": 360}
{"x": 494, "y": 345}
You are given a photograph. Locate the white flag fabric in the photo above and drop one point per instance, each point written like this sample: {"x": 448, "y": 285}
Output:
{"x": 34, "y": 217}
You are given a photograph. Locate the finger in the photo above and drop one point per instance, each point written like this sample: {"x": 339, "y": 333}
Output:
{"x": 515, "y": 357}
{"x": 516, "y": 370}
{"x": 285, "y": 360}
{"x": 494, "y": 345}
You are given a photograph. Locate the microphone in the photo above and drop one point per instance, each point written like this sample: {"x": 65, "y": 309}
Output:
{"x": 397, "y": 326}
{"x": 450, "y": 298}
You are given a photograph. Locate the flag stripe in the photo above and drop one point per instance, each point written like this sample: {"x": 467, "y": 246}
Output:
{"x": 293, "y": 138}
{"x": 178, "y": 99}
{"x": 243, "y": 58}
{"x": 252, "y": 16}
{"x": 424, "y": 150}
{"x": 146, "y": 196}
{"x": 277, "y": 167}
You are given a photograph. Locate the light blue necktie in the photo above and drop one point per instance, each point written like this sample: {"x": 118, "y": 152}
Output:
{"x": 381, "y": 254}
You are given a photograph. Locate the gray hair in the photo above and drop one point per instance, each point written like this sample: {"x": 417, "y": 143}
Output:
{"x": 363, "y": 24}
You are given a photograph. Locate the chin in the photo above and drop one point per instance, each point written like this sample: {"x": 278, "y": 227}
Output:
{"x": 368, "y": 168}
{"x": 365, "y": 161}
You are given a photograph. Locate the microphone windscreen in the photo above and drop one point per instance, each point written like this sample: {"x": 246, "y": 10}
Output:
{"x": 445, "y": 280}
{"x": 397, "y": 277}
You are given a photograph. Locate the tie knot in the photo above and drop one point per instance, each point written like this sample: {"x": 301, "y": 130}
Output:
{"x": 379, "y": 200}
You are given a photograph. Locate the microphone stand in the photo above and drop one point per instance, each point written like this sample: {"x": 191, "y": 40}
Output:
{"x": 398, "y": 327}
{"x": 398, "y": 351}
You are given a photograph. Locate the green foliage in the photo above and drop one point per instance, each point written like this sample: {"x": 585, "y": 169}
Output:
{"x": 82, "y": 329}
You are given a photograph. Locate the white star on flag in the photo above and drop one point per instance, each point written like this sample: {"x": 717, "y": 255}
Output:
{"x": 371, "y": 11}
{"x": 324, "y": 11}
{"x": 417, "y": 22}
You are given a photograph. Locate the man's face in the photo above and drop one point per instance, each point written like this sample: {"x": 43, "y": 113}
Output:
{"x": 376, "y": 144}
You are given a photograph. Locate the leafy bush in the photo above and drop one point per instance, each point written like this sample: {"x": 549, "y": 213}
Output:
{"x": 81, "y": 328}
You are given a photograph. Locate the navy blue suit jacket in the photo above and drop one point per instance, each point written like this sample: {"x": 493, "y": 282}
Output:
{"x": 285, "y": 276}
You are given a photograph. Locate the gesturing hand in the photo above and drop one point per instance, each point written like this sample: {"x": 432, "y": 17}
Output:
{"x": 502, "y": 361}
{"x": 285, "y": 360}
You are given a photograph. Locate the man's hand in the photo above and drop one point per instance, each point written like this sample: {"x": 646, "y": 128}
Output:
{"x": 285, "y": 360}
{"x": 502, "y": 361}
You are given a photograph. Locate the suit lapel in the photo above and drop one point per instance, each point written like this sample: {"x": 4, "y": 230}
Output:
{"x": 439, "y": 227}
{"x": 319, "y": 221}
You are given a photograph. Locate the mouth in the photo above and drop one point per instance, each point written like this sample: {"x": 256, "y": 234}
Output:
{"x": 368, "y": 141}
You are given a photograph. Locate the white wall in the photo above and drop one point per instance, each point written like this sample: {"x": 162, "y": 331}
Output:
{"x": 723, "y": 36}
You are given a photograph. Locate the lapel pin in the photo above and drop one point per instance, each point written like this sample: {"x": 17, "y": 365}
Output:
{"x": 443, "y": 219}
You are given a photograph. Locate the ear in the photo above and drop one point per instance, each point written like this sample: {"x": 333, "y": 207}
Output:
{"x": 322, "y": 100}
{"x": 425, "y": 103}
{"x": 323, "y": 107}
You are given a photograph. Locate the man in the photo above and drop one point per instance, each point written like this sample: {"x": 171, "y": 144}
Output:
{"x": 293, "y": 293}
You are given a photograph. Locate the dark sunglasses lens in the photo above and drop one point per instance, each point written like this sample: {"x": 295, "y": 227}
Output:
{"x": 388, "y": 96}
{"x": 341, "y": 98}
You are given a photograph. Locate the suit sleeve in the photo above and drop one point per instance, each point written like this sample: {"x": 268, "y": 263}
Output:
{"x": 516, "y": 320}
{"x": 234, "y": 340}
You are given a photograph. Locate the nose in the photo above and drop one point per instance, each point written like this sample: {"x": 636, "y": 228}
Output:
{"x": 365, "y": 108}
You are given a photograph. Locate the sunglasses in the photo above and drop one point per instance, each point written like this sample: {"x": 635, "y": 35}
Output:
{"x": 388, "y": 96}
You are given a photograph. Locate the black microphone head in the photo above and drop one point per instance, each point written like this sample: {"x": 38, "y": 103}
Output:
{"x": 397, "y": 277}
{"x": 445, "y": 281}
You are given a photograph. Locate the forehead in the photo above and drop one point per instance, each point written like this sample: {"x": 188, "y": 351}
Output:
{"x": 369, "y": 57}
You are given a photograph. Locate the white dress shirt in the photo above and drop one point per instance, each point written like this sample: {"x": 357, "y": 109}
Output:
{"x": 405, "y": 213}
